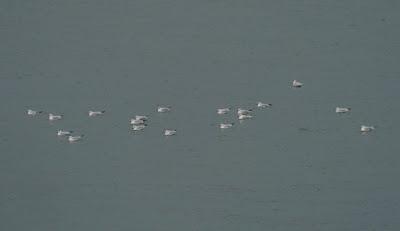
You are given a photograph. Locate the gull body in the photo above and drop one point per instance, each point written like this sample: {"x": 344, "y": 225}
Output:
{"x": 244, "y": 116}
{"x": 74, "y": 138}
{"x": 241, "y": 111}
{"x": 342, "y": 109}
{"x": 365, "y": 128}
{"x": 137, "y": 121}
{"x": 53, "y": 117}
{"x": 169, "y": 132}
{"x": 225, "y": 125}
{"x": 297, "y": 83}
{"x": 96, "y": 113}
{"x": 139, "y": 127}
{"x": 31, "y": 112}
{"x": 63, "y": 133}
{"x": 263, "y": 105}
{"x": 141, "y": 117}
{"x": 222, "y": 111}
{"x": 163, "y": 109}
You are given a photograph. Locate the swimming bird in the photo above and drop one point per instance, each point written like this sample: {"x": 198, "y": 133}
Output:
{"x": 241, "y": 111}
{"x": 297, "y": 83}
{"x": 141, "y": 117}
{"x": 163, "y": 109}
{"x": 263, "y": 105}
{"x": 138, "y": 127}
{"x": 72, "y": 139}
{"x": 53, "y": 117}
{"x": 365, "y": 128}
{"x": 222, "y": 111}
{"x": 137, "y": 121}
{"x": 63, "y": 133}
{"x": 31, "y": 112}
{"x": 225, "y": 125}
{"x": 244, "y": 116}
{"x": 342, "y": 109}
{"x": 169, "y": 132}
{"x": 96, "y": 113}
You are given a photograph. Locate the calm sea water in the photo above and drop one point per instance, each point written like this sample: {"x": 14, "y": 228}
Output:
{"x": 296, "y": 166}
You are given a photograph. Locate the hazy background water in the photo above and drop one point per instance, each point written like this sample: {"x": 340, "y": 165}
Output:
{"x": 296, "y": 166}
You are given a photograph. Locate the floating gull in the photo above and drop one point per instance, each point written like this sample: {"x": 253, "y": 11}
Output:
{"x": 31, "y": 112}
{"x": 342, "y": 109}
{"x": 137, "y": 121}
{"x": 53, "y": 117}
{"x": 168, "y": 132}
{"x": 141, "y": 117}
{"x": 163, "y": 109}
{"x": 96, "y": 113}
{"x": 64, "y": 133}
{"x": 297, "y": 83}
{"x": 222, "y": 111}
{"x": 365, "y": 128}
{"x": 245, "y": 116}
{"x": 241, "y": 111}
{"x": 138, "y": 127}
{"x": 225, "y": 125}
{"x": 74, "y": 138}
{"x": 263, "y": 105}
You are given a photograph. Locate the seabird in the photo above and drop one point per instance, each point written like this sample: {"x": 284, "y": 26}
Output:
{"x": 141, "y": 117}
{"x": 225, "y": 125}
{"x": 163, "y": 109}
{"x": 64, "y": 133}
{"x": 137, "y": 121}
{"x": 74, "y": 138}
{"x": 365, "y": 128}
{"x": 263, "y": 105}
{"x": 245, "y": 116}
{"x": 342, "y": 109}
{"x": 241, "y": 111}
{"x": 96, "y": 113}
{"x": 53, "y": 117}
{"x": 168, "y": 132}
{"x": 138, "y": 127}
{"x": 297, "y": 83}
{"x": 222, "y": 111}
{"x": 31, "y": 112}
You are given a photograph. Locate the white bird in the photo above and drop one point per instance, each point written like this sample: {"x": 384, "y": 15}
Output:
{"x": 222, "y": 111}
{"x": 74, "y": 138}
{"x": 141, "y": 117}
{"x": 138, "y": 127}
{"x": 31, "y": 112}
{"x": 96, "y": 113}
{"x": 342, "y": 109}
{"x": 365, "y": 128}
{"x": 263, "y": 105}
{"x": 297, "y": 83}
{"x": 163, "y": 109}
{"x": 137, "y": 121}
{"x": 245, "y": 116}
{"x": 64, "y": 133}
{"x": 241, "y": 111}
{"x": 168, "y": 132}
{"x": 225, "y": 125}
{"x": 53, "y": 117}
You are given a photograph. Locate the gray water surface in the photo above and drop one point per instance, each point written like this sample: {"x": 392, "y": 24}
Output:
{"x": 296, "y": 166}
